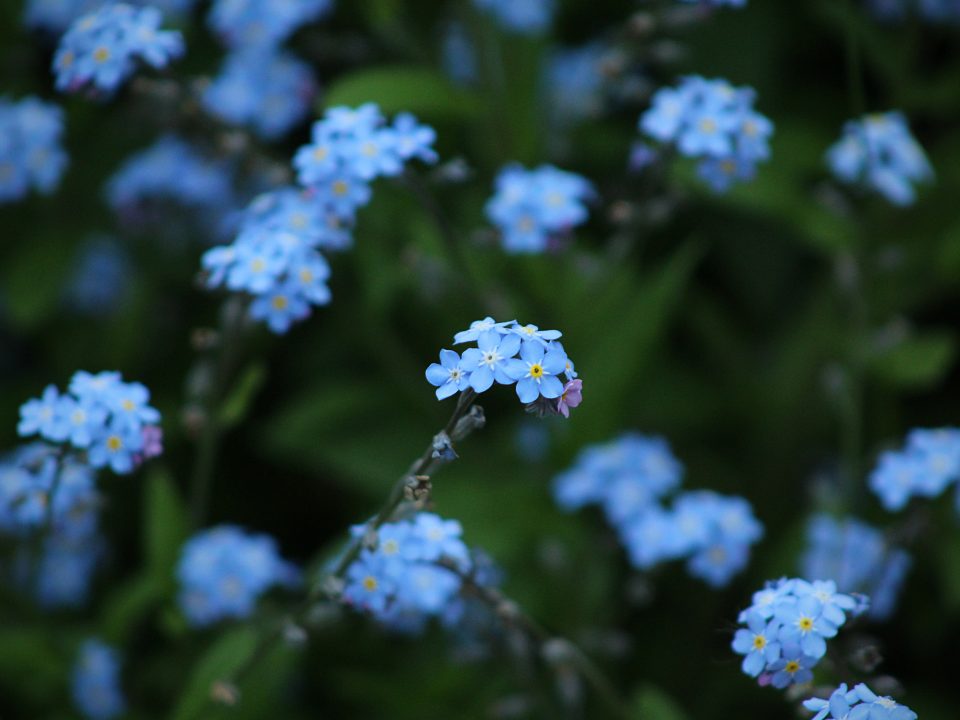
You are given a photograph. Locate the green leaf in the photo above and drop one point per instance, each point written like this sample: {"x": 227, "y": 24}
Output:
{"x": 397, "y": 88}
{"x": 651, "y": 703}
{"x": 33, "y": 279}
{"x": 165, "y": 526}
{"x": 237, "y": 404}
{"x": 126, "y": 605}
{"x": 227, "y": 655}
{"x": 917, "y": 362}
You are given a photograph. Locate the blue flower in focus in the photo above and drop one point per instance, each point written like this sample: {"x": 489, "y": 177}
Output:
{"x": 95, "y": 682}
{"x": 489, "y": 360}
{"x": 878, "y": 152}
{"x": 860, "y": 703}
{"x": 715, "y": 122}
{"x": 100, "y": 50}
{"x": 246, "y": 23}
{"x": 801, "y": 616}
{"x": 526, "y": 17}
{"x": 223, "y": 571}
{"x": 758, "y": 643}
{"x": 31, "y": 152}
{"x": 533, "y": 207}
{"x": 478, "y": 327}
{"x": 536, "y": 371}
{"x": 267, "y": 90}
{"x": 450, "y": 376}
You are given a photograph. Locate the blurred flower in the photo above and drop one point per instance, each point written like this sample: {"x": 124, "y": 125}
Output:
{"x": 246, "y": 23}
{"x": 96, "y": 682}
{"x": 527, "y": 17}
{"x": 267, "y": 90}
{"x": 714, "y": 121}
{"x": 224, "y": 570}
{"x": 31, "y": 154}
{"x": 531, "y": 207}
{"x": 57, "y": 15}
{"x": 575, "y": 82}
{"x": 879, "y": 152}
{"x": 928, "y": 463}
{"x": 100, "y": 50}
{"x": 861, "y": 703}
{"x": 100, "y": 278}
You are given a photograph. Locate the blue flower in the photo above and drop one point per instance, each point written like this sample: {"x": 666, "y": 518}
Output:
{"x": 245, "y": 23}
{"x": 31, "y": 151}
{"x": 928, "y": 463}
{"x": 489, "y": 360}
{"x": 860, "y": 703}
{"x": 96, "y": 682}
{"x": 527, "y": 17}
{"x": 368, "y": 584}
{"x": 412, "y": 140}
{"x": 536, "y": 371}
{"x": 450, "y": 376}
{"x": 803, "y": 624}
{"x": 477, "y": 327}
{"x": 267, "y": 90}
{"x": 117, "y": 447}
{"x": 878, "y": 152}
{"x": 758, "y": 642}
{"x": 41, "y": 416}
{"x": 793, "y": 667}
{"x": 715, "y": 122}
{"x": 533, "y": 207}
{"x": 223, "y": 571}
{"x": 100, "y": 49}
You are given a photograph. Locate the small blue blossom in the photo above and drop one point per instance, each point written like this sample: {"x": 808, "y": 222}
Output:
{"x": 527, "y": 17}
{"x": 96, "y": 682}
{"x": 860, "y": 703}
{"x": 532, "y": 208}
{"x": 31, "y": 152}
{"x": 246, "y": 23}
{"x": 575, "y": 81}
{"x": 801, "y": 616}
{"x": 489, "y": 360}
{"x": 758, "y": 643}
{"x": 449, "y": 376}
{"x": 536, "y": 371}
{"x": 223, "y": 571}
{"x": 100, "y": 50}
{"x": 267, "y": 90}
{"x": 879, "y": 153}
{"x": 715, "y": 122}
{"x": 478, "y": 327}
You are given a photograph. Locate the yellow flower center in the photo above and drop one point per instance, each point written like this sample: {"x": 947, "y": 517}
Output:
{"x": 370, "y": 583}
{"x": 258, "y": 265}
{"x": 66, "y": 60}
{"x": 340, "y": 188}
{"x": 114, "y": 443}
{"x": 792, "y": 667}
{"x": 536, "y": 371}
{"x": 101, "y": 54}
{"x": 280, "y": 302}
{"x": 370, "y": 149}
{"x": 806, "y": 624}
{"x": 391, "y": 547}
{"x": 708, "y": 125}
{"x": 306, "y": 276}
{"x": 320, "y": 154}
{"x": 299, "y": 220}
{"x": 759, "y": 642}
{"x": 128, "y": 405}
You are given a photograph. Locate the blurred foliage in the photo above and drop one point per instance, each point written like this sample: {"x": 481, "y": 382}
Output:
{"x": 745, "y": 328}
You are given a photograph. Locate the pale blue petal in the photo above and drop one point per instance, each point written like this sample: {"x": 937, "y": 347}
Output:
{"x": 528, "y": 390}
{"x": 481, "y": 379}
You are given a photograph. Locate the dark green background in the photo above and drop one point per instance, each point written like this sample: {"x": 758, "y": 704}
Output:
{"x": 778, "y": 336}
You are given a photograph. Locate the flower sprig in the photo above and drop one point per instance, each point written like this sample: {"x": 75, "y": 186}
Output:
{"x": 509, "y": 353}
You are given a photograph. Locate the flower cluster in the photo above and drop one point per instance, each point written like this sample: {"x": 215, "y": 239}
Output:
{"x": 96, "y": 682}
{"x": 533, "y": 207}
{"x": 527, "y": 17}
{"x": 879, "y": 152}
{"x": 861, "y": 703}
{"x": 536, "y": 371}
{"x": 100, "y": 50}
{"x": 630, "y": 478}
{"x": 100, "y": 414}
{"x": 254, "y": 22}
{"x": 265, "y": 89}
{"x": 31, "y": 154}
{"x": 223, "y": 571}
{"x": 858, "y": 558}
{"x": 925, "y": 466}
{"x": 170, "y": 169}
{"x": 787, "y": 628}
{"x": 276, "y": 256}
{"x": 41, "y": 492}
{"x": 714, "y": 121}
{"x": 401, "y": 580}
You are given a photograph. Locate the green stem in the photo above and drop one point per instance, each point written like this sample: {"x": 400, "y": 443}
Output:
{"x": 855, "y": 77}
